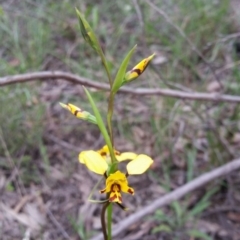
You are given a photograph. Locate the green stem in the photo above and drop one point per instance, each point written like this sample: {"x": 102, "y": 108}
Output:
{"x": 104, "y": 230}
{"x": 109, "y": 221}
{"x": 104, "y": 62}
{"x": 107, "y": 70}
{"x": 109, "y": 116}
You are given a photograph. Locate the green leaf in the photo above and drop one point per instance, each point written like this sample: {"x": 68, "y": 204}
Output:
{"x": 178, "y": 210}
{"x": 160, "y": 216}
{"x": 162, "y": 228}
{"x": 9, "y": 187}
{"x": 100, "y": 122}
{"x": 121, "y": 71}
{"x": 209, "y": 194}
{"x": 191, "y": 156}
{"x": 1, "y": 12}
{"x": 198, "y": 234}
{"x": 199, "y": 208}
{"x": 203, "y": 203}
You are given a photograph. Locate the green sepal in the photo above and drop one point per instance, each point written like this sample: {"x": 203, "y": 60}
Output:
{"x": 87, "y": 32}
{"x": 118, "y": 82}
{"x": 92, "y": 119}
{"x": 100, "y": 123}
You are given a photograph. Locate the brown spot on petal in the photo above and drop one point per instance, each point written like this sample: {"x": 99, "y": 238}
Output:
{"x": 103, "y": 154}
{"x": 76, "y": 112}
{"x": 137, "y": 70}
{"x": 117, "y": 153}
{"x": 130, "y": 191}
{"x": 113, "y": 198}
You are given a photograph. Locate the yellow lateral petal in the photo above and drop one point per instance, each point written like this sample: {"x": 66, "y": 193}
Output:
{"x": 139, "y": 165}
{"x": 93, "y": 161}
{"x": 126, "y": 156}
{"x": 82, "y": 157}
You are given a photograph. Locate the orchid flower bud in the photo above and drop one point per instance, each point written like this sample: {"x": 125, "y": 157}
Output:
{"x": 76, "y": 111}
{"x": 138, "y": 69}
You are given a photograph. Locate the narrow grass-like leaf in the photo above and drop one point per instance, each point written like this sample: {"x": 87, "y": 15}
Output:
{"x": 191, "y": 156}
{"x": 122, "y": 70}
{"x": 199, "y": 208}
{"x": 160, "y": 216}
{"x": 100, "y": 122}
{"x": 203, "y": 203}
{"x": 162, "y": 228}
{"x": 44, "y": 155}
{"x": 198, "y": 234}
{"x": 177, "y": 208}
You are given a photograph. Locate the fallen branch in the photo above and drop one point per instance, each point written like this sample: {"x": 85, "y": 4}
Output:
{"x": 172, "y": 196}
{"x": 47, "y": 75}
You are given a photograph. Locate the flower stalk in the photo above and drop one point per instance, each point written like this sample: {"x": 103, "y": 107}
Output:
{"x": 109, "y": 119}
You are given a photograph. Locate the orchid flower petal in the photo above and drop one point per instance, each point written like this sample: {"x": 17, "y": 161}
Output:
{"x": 126, "y": 156}
{"x": 139, "y": 165}
{"x": 93, "y": 161}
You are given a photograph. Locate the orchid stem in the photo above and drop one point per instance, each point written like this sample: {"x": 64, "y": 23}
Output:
{"x": 109, "y": 221}
{"x": 109, "y": 122}
{"x": 109, "y": 115}
{"x": 103, "y": 222}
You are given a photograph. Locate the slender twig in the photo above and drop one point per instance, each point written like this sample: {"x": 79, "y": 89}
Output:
{"x": 47, "y": 75}
{"x": 174, "y": 195}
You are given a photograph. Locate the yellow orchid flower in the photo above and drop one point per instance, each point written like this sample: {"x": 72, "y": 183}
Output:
{"x": 76, "y": 111}
{"x": 115, "y": 183}
{"x": 138, "y": 69}
{"x": 99, "y": 161}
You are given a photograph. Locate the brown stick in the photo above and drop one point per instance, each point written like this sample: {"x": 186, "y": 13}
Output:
{"x": 47, "y": 75}
{"x": 174, "y": 195}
